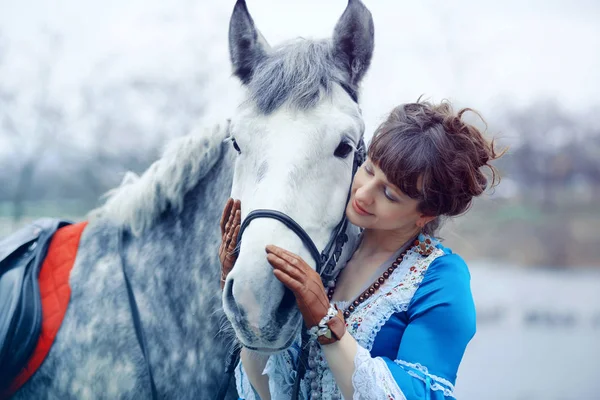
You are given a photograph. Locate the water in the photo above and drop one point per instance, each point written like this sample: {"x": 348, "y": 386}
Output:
{"x": 538, "y": 336}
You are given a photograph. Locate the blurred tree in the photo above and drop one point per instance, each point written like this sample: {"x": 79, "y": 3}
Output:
{"x": 31, "y": 122}
{"x": 127, "y": 122}
{"x": 551, "y": 149}
{"x": 112, "y": 125}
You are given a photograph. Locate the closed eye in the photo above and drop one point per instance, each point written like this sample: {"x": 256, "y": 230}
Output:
{"x": 389, "y": 196}
{"x": 385, "y": 190}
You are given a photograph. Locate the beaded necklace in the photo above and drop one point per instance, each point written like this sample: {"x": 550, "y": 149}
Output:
{"x": 423, "y": 246}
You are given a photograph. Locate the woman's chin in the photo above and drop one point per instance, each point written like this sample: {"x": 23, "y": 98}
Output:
{"x": 356, "y": 219}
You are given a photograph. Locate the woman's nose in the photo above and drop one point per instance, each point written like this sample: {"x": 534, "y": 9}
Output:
{"x": 363, "y": 195}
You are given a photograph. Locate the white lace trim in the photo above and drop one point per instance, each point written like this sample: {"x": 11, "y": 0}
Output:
{"x": 242, "y": 384}
{"x": 342, "y": 305}
{"x": 436, "y": 383}
{"x": 372, "y": 378}
{"x": 393, "y": 296}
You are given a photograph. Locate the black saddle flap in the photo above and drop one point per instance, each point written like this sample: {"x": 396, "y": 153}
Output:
{"x": 21, "y": 257}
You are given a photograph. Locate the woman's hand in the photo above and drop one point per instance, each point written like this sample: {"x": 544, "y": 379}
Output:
{"x": 230, "y": 229}
{"x": 308, "y": 288}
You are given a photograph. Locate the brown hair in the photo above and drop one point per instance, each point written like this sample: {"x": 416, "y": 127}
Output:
{"x": 433, "y": 155}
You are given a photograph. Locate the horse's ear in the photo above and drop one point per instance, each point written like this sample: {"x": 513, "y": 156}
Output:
{"x": 353, "y": 40}
{"x": 247, "y": 47}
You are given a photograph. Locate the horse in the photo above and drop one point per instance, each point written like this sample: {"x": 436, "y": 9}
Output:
{"x": 289, "y": 148}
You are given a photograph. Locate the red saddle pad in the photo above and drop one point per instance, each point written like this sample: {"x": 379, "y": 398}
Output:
{"x": 55, "y": 293}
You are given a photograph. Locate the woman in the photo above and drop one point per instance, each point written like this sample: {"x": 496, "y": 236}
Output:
{"x": 401, "y": 314}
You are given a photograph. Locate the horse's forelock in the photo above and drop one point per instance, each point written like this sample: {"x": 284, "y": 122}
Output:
{"x": 298, "y": 73}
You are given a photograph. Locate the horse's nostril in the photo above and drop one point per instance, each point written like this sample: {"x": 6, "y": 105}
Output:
{"x": 287, "y": 301}
{"x": 228, "y": 289}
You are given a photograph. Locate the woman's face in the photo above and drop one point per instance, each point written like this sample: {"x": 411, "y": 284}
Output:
{"x": 375, "y": 203}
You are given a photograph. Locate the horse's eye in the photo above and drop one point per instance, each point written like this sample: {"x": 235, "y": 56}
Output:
{"x": 343, "y": 149}
{"x": 236, "y": 146}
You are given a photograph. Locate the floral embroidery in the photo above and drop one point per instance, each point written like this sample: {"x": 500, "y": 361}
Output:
{"x": 356, "y": 323}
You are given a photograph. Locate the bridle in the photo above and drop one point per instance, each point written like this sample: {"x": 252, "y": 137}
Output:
{"x": 326, "y": 262}
{"x": 327, "y": 259}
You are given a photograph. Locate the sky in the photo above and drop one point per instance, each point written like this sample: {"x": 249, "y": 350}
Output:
{"x": 476, "y": 53}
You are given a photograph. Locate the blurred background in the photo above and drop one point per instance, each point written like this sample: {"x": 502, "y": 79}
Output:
{"x": 89, "y": 90}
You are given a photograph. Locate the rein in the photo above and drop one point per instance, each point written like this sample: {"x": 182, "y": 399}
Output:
{"x": 137, "y": 322}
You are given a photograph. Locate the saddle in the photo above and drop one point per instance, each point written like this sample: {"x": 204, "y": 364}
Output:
{"x": 21, "y": 257}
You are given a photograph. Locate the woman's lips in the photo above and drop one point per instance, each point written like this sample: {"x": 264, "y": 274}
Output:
{"x": 358, "y": 209}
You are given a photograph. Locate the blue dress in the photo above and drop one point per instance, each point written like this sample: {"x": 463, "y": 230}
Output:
{"x": 412, "y": 334}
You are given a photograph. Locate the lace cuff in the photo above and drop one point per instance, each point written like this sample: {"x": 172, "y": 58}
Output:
{"x": 432, "y": 382}
{"x": 372, "y": 378}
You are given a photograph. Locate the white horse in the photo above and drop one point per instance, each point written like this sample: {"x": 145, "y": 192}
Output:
{"x": 290, "y": 148}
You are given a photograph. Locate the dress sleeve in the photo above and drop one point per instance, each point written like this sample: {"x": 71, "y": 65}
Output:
{"x": 441, "y": 321}
{"x": 243, "y": 385}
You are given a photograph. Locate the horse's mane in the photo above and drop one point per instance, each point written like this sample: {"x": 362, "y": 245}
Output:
{"x": 298, "y": 72}
{"x": 139, "y": 201}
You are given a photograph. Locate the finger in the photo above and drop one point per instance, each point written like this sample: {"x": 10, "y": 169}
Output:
{"x": 290, "y": 257}
{"x": 281, "y": 252}
{"x": 236, "y": 212}
{"x": 231, "y": 226}
{"x": 222, "y": 251}
{"x": 233, "y": 243}
{"x": 225, "y": 215}
{"x": 229, "y": 223}
{"x": 237, "y": 205}
{"x": 238, "y": 217}
{"x": 289, "y": 282}
{"x": 284, "y": 266}
{"x": 228, "y": 239}
{"x": 231, "y": 216}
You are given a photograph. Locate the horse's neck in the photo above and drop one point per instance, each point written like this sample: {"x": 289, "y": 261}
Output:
{"x": 177, "y": 258}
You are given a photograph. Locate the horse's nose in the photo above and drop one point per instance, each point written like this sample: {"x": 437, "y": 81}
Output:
{"x": 229, "y": 299}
